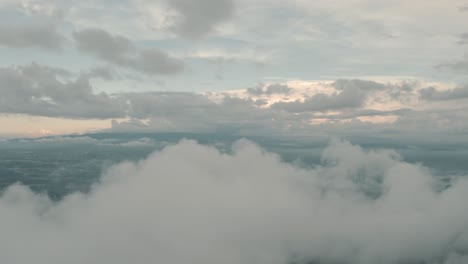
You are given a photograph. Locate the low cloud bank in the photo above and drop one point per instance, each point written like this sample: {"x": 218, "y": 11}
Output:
{"x": 192, "y": 204}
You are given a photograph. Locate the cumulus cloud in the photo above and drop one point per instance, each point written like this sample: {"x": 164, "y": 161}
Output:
{"x": 191, "y": 203}
{"x": 349, "y": 94}
{"x": 37, "y": 35}
{"x": 181, "y": 111}
{"x": 40, "y": 90}
{"x": 351, "y": 106}
{"x": 198, "y": 18}
{"x": 122, "y": 51}
{"x": 54, "y": 92}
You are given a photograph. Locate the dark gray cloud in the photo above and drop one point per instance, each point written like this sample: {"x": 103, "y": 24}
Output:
{"x": 463, "y": 8}
{"x": 324, "y": 102}
{"x": 350, "y": 94}
{"x": 54, "y": 92}
{"x": 198, "y": 18}
{"x": 463, "y": 39}
{"x": 460, "y": 66}
{"x": 276, "y": 88}
{"x": 168, "y": 104}
{"x": 122, "y": 51}
{"x": 155, "y": 61}
{"x": 183, "y": 112}
{"x": 432, "y": 94}
{"x": 365, "y": 113}
{"x": 437, "y": 121}
{"x": 44, "y": 91}
{"x": 36, "y": 35}
{"x": 196, "y": 112}
{"x": 401, "y": 90}
{"x": 101, "y": 44}
{"x": 102, "y": 72}
{"x": 179, "y": 111}
{"x": 363, "y": 85}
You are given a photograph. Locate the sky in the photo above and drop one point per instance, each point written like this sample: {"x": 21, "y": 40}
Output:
{"x": 233, "y": 66}
{"x": 259, "y": 88}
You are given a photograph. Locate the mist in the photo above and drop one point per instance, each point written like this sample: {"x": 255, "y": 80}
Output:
{"x": 191, "y": 203}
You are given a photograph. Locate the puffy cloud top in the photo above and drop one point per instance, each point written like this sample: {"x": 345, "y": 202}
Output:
{"x": 191, "y": 203}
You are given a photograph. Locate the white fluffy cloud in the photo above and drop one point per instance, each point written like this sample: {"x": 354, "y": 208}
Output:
{"x": 192, "y": 204}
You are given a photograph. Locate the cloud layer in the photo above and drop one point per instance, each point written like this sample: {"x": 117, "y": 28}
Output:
{"x": 190, "y": 203}
{"x": 39, "y": 90}
{"x": 345, "y": 105}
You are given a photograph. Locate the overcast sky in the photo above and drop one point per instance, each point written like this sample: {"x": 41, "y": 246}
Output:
{"x": 232, "y": 65}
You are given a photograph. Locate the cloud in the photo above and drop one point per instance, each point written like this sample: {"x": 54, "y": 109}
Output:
{"x": 191, "y": 203}
{"x": 86, "y": 140}
{"x": 40, "y": 90}
{"x": 345, "y": 106}
{"x": 460, "y": 66}
{"x": 351, "y": 106}
{"x": 432, "y": 94}
{"x": 103, "y": 45}
{"x": 102, "y": 72}
{"x": 275, "y": 88}
{"x": 366, "y": 112}
{"x": 324, "y": 102}
{"x": 61, "y": 140}
{"x": 181, "y": 111}
{"x": 349, "y": 94}
{"x": 463, "y": 39}
{"x": 36, "y": 35}
{"x": 463, "y": 8}
{"x": 365, "y": 85}
{"x": 122, "y": 51}
{"x": 199, "y": 18}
